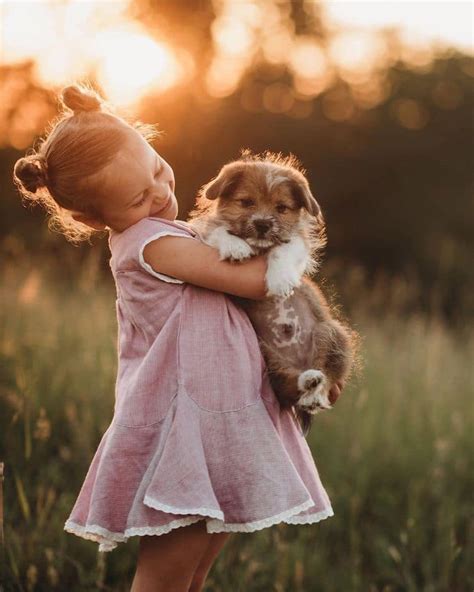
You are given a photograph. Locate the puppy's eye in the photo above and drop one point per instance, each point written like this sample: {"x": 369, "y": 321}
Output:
{"x": 281, "y": 208}
{"x": 247, "y": 203}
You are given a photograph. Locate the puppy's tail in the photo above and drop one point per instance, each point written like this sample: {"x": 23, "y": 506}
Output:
{"x": 305, "y": 420}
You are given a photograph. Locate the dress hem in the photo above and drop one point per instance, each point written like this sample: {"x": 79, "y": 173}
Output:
{"x": 108, "y": 540}
{"x": 205, "y": 512}
{"x": 311, "y": 518}
{"x": 216, "y": 526}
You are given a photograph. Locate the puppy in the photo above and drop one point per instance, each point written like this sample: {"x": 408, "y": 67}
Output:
{"x": 263, "y": 204}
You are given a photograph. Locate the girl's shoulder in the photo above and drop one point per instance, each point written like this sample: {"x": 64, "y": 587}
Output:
{"x": 127, "y": 247}
{"x": 145, "y": 227}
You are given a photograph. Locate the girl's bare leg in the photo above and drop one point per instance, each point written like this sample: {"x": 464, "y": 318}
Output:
{"x": 215, "y": 545}
{"x": 167, "y": 563}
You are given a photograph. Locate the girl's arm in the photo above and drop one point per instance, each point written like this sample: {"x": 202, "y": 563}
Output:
{"x": 196, "y": 263}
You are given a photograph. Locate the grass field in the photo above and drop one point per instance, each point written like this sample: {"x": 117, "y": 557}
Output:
{"x": 395, "y": 454}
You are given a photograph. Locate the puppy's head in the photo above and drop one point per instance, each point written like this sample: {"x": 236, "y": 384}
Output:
{"x": 264, "y": 200}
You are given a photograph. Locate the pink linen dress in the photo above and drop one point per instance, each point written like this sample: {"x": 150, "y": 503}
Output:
{"x": 197, "y": 432}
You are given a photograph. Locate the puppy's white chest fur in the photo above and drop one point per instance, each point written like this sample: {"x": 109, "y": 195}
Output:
{"x": 286, "y": 262}
{"x": 286, "y": 266}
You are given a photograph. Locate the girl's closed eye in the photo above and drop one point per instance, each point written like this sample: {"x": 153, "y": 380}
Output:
{"x": 140, "y": 203}
{"x": 143, "y": 199}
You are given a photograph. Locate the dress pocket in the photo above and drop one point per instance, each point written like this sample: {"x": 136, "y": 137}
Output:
{"x": 147, "y": 374}
{"x": 136, "y": 409}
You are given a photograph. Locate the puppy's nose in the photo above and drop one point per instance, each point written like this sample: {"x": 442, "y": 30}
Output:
{"x": 262, "y": 226}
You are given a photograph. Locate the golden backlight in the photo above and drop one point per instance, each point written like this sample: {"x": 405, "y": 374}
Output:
{"x": 75, "y": 38}
{"x": 71, "y": 39}
{"x": 129, "y": 64}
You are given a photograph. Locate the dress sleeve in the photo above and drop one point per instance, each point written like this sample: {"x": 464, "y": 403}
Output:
{"x": 147, "y": 267}
{"x": 127, "y": 247}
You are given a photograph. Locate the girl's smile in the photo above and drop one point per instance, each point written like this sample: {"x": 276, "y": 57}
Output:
{"x": 158, "y": 213}
{"x": 138, "y": 183}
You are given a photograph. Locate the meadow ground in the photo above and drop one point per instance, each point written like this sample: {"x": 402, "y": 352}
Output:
{"x": 395, "y": 454}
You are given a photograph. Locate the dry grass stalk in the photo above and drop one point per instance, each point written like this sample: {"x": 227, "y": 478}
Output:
{"x": 1, "y": 506}
{"x": 2, "y": 546}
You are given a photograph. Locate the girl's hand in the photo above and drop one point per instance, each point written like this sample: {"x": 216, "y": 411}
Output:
{"x": 335, "y": 391}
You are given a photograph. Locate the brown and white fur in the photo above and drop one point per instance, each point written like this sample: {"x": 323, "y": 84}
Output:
{"x": 263, "y": 204}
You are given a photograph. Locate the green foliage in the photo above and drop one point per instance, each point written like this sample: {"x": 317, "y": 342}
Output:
{"x": 395, "y": 198}
{"x": 393, "y": 454}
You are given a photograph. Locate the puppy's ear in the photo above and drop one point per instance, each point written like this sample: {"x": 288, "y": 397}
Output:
{"x": 303, "y": 196}
{"x": 225, "y": 183}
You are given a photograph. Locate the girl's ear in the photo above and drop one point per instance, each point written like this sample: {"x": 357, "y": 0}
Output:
{"x": 88, "y": 221}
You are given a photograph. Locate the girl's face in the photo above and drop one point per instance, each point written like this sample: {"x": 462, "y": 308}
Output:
{"x": 138, "y": 183}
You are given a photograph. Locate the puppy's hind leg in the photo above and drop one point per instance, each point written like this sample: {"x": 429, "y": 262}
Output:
{"x": 284, "y": 382}
{"x": 313, "y": 388}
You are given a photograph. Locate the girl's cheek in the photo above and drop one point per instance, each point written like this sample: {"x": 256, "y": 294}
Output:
{"x": 170, "y": 176}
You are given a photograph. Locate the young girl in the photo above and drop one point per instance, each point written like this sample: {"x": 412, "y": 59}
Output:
{"x": 198, "y": 446}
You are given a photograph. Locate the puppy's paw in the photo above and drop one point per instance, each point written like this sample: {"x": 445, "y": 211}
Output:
{"x": 313, "y": 386}
{"x": 280, "y": 288}
{"x": 286, "y": 265}
{"x": 235, "y": 250}
{"x": 281, "y": 281}
{"x": 230, "y": 247}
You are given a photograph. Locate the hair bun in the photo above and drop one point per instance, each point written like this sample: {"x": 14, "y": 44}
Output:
{"x": 31, "y": 172}
{"x": 80, "y": 98}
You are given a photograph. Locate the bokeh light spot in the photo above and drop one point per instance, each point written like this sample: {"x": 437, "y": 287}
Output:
{"x": 278, "y": 98}
{"x": 337, "y": 105}
{"x": 307, "y": 58}
{"x": 301, "y": 109}
{"x": 355, "y": 51}
{"x": 233, "y": 38}
{"x": 130, "y": 63}
{"x": 447, "y": 95}
{"x": 410, "y": 114}
{"x": 372, "y": 93}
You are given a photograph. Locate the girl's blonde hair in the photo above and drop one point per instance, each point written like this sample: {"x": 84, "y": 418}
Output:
{"x": 61, "y": 174}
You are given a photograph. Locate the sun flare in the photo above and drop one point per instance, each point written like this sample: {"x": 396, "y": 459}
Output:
{"x": 129, "y": 64}
{"x": 89, "y": 39}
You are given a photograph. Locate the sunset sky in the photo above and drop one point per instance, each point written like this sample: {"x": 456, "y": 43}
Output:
{"x": 77, "y": 38}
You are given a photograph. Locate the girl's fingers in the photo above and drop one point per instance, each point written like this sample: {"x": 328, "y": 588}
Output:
{"x": 335, "y": 391}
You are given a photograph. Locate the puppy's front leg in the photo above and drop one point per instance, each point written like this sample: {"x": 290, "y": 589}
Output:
{"x": 286, "y": 266}
{"x": 229, "y": 246}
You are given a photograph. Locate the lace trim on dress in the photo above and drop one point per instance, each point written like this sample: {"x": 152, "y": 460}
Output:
{"x": 311, "y": 518}
{"x": 108, "y": 540}
{"x": 153, "y": 503}
{"x": 219, "y": 526}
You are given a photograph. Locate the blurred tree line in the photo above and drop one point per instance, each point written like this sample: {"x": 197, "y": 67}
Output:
{"x": 394, "y": 181}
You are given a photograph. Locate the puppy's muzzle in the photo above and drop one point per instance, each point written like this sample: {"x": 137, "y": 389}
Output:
{"x": 262, "y": 226}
